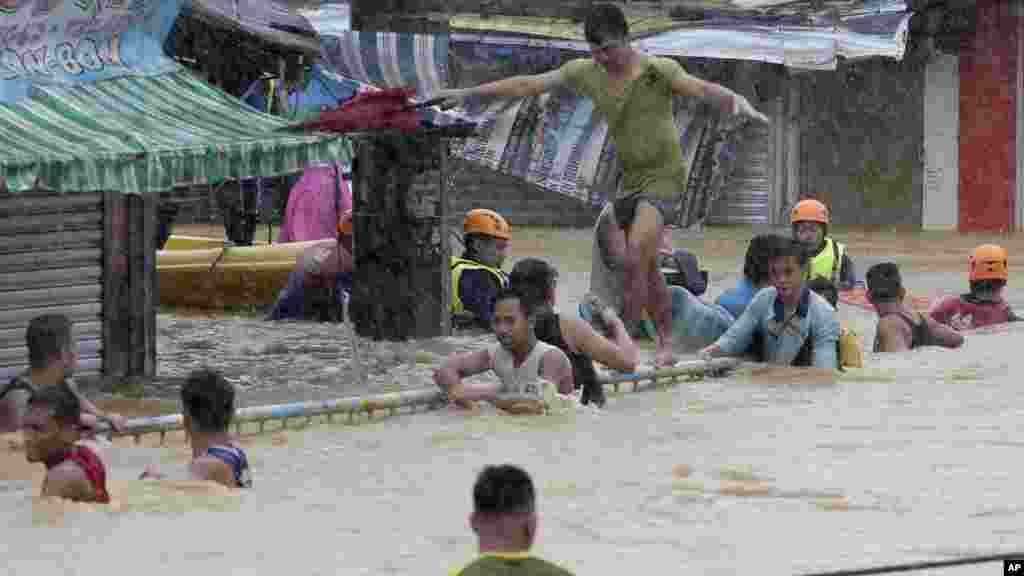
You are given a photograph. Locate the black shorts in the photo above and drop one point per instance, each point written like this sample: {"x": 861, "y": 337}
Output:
{"x": 625, "y": 209}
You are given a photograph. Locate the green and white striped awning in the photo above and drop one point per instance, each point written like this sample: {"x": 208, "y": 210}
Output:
{"x": 141, "y": 135}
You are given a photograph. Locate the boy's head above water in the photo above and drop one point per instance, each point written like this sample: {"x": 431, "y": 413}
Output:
{"x": 208, "y": 402}
{"x": 787, "y": 267}
{"x": 51, "y": 344}
{"x": 504, "y": 508}
{"x": 885, "y": 284}
{"x": 513, "y": 320}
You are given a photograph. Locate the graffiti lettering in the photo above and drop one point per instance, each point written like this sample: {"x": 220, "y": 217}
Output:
{"x": 66, "y": 57}
{"x": 13, "y": 37}
{"x": 82, "y": 27}
{"x": 72, "y": 58}
{"x": 35, "y": 61}
{"x": 88, "y": 56}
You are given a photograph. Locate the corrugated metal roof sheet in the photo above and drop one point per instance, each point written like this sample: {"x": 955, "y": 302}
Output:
{"x": 147, "y": 134}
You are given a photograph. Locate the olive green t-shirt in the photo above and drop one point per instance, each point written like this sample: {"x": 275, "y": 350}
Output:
{"x": 511, "y": 565}
{"x": 641, "y": 122}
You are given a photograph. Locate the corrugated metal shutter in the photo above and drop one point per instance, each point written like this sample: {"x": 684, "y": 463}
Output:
{"x": 51, "y": 249}
{"x": 745, "y": 197}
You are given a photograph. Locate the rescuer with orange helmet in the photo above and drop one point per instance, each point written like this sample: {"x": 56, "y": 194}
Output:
{"x": 810, "y": 219}
{"x": 987, "y": 272}
{"x": 477, "y": 276}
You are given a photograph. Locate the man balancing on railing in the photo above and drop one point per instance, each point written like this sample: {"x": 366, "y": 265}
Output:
{"x": 208, "y": 406}
{"x": 635, "y": 93}
{"x": 53, "y": 357}
{"x": 530, "y": 372}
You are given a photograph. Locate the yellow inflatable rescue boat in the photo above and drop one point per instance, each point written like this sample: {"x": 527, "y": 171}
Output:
{"x": 204, "y": 273}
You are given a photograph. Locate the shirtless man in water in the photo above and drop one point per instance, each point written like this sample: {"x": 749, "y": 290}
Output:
{"x": 899, "y": 327}
{"x": 208, "y": 406}
{"x": 522, "y": 363}
{"x": 634, "y": 92}
{"x": 53, "y": 437}
{"x": 53, "y": 358}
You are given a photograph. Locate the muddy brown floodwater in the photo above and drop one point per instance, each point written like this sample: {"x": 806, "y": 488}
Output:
{"x": 768, "y": 471}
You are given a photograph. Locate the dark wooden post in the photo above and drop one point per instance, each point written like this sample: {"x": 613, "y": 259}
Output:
{"x": 400, "y": 240}
{"x": 115, "y": 272}
{"x": 129, "y": 285}
{"x": 401, "y": 277}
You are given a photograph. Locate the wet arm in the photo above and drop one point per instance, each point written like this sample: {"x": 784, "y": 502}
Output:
{"x": 519, "y": 86}
{"x": 555, "y": 367}
{"x": 92, "y": 415}
{"x": 943, "y": 311}
{"x": 449, "y": 376}
{"x": 620, "y": 353}
{"x": 685, "y": 84}
{"x": 738, "y": 337}
{"x": 944, "y": 335}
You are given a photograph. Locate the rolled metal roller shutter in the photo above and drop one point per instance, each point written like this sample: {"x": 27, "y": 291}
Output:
{"x": 745, "y": 196}
{"x": 51, "y": 249}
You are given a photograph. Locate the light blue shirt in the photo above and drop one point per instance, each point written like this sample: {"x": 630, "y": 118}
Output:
{"x": 735, "y": 300}
{"x": 815, "y": 318}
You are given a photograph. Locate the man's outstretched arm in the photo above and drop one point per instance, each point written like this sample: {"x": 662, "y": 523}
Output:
{"x": 685, "y": 84}
{"x": 512, "y": 87}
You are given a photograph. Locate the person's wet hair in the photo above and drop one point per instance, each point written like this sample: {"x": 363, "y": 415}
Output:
{"x": 504, "y": 489}
{"x": 46, "y": 337}
{"x": 826, "y": 289}
{"x": 761, "y": 250}
{"x": 884, "y": 282}
{"x": 64, "y": 405}
{"x": 789, "y": 248}
{"x": 605, "y": 22}
{"x": 209, "y": 400}
{"x": 533, "y": 278}
{"x": 509, "y": 293}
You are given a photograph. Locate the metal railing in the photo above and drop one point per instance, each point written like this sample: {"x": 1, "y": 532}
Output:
{"x": 411, "y": 400}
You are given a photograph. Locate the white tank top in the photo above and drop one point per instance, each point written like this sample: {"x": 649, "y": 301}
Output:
{"x": 524, "y": 379}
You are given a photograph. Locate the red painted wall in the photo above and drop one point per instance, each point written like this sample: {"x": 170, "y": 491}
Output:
{"x": 988, "y": 79}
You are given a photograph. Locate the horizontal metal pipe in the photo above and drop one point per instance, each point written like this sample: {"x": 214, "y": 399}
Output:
{"x": 691, "y": 368}
{"x": 397, "y": 400}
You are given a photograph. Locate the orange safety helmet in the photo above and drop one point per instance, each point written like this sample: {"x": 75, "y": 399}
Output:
{"x": 988, "y": 262}
{"x": 345, "y": 222}
{"x": 809, "y": 211}
{"x": 487, "y": 222}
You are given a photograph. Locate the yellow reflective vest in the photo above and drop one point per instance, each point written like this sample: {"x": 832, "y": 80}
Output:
{"x": 828, "y": 263}
{"x": 460, "y": 265}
